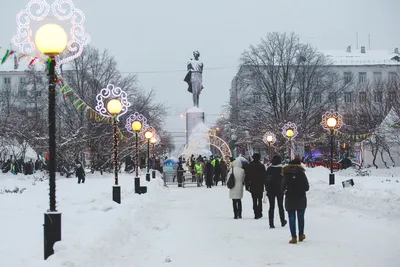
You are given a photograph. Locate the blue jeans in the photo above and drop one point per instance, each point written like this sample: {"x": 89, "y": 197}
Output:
{"x": 292, "y": 221}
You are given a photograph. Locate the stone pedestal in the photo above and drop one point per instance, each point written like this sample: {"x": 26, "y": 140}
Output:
{"x": 194, "y": 117}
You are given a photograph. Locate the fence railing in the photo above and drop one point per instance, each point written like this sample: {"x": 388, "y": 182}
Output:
{"x": 179, "y": 177}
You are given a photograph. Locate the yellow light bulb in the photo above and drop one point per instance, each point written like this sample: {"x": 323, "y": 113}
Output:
{"x": 136, "y": 126}
{"x": 331, "y": 122}
{"x": 51, "y": 39}
{"x": 148, "y": 134}
{"x": 289, "y": 133}
{"x": 114, "y": 106}
{"x": 269, "y": 138}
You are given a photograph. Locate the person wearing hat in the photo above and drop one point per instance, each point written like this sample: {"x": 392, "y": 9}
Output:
{"x": 295, "y": 185}
{"x": 255, "y": 180}
{"x": 273, "y": 187}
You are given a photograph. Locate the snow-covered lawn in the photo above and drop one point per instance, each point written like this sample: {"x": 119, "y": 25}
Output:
{"x": 193, "y": 226}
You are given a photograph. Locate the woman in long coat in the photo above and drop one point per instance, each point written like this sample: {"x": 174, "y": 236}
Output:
{"x": 209, "y": 173}
{"x": 236, "y": 193}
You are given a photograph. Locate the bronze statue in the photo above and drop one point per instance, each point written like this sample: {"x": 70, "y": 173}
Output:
{"x": 194, "y": 77}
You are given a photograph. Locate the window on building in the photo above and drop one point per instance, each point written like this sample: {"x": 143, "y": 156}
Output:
{"x": 38, "y": 93}
{"x": 348, "y": 97}
{"x": 362, "y": 97}
{"x": 318, "y": 97}
{"x": 378, "y": 95}
{"x": 7, "y": 80}
{"x": 256, "y": 98}
{"x": 392, "y": 97}
{"x": 22, "y": 80}
{"x": 362, "y": 77}
{"x": 347, "y": 77}
{"x": 377, "y": 77}
{"x": 332, "y": 97}
{"x": 348, "y": 119}
{"x": 392, "y": 77}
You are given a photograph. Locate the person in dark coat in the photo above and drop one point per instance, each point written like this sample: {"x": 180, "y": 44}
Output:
{"x": 179, "y": 174}
{"x": 255, "y": 180}
{"x": 217, "y": 171}
{"x": 209, "y": 173}
{"x": 273, "y": 185}
{"x": 295, "y": 185}
{"x": 80, "y": 172}
{"x": 224, "y": 169}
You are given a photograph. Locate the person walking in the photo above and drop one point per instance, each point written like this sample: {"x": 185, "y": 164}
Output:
{"x": 199, "y": 172}
{"x": 255, "y": 181}
{"x": 236, "y": 193}
{"x": 80, "y": 172}
{"x": 295, "y": 185}
{"x": 273, "y": 185}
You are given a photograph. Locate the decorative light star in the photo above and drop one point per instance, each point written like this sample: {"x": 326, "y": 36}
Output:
{"x": 63, "y": 10}
{"x": 108, "y": 93}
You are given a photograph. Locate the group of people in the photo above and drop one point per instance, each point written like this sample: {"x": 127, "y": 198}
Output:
{"x": 20, "y": 166}
{"x": 211, "y": 170}
{"x": 286, "y": 185}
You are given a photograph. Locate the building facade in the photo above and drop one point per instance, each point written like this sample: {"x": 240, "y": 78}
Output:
{"x": 22, "y": 87}
{"x": 365, "y": 73}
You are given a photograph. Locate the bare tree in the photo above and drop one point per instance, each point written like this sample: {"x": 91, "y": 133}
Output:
{"x": 280, "y": 80}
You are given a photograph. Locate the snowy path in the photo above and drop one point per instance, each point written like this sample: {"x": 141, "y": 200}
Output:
{"x": 194, "y": 227}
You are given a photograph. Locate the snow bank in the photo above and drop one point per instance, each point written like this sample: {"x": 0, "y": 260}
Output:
{"x": 89, "y": 217}
{"x": 377, "y": 194}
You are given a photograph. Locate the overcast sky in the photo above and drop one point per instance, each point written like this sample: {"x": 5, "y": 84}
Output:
{"x": 160, "y": 35}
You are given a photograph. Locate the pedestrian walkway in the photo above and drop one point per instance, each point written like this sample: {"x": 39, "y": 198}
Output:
{"x": 195, "y": 227}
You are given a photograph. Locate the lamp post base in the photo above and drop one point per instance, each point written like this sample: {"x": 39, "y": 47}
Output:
{"x": 52, "y": 232}
{"x": 153, "y": 174}
{"x": 331, "y": 178}
{"x": 137, "y": 185}
{"x": 148, "y": 177}
{"x": 116, "y": 194}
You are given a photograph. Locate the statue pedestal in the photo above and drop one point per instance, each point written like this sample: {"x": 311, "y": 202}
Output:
{"x": 194, "y": 117}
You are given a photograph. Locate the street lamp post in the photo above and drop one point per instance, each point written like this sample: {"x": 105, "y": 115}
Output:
{"x": 289, "y": 131}
{"x": 332, "y": 120}
{"x": 270, "y": 139}
{"x": 136, "y": 123}
{"x": 114, "y": 107}
{"x": 117, "y": 105}
{"x": 51, "y": 40}
{"x": 148, "y": 135}
{"x": 153, "y": 141}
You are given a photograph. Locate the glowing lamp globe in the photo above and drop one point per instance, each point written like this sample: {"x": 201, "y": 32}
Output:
{"x": 136, "y": 126}
{"x": 269, "y": 138}
{"x": 153, "y": 140}
{"x": 331, "y": 122}
{"x": 51, "y": 39}
{"x": 114, "y": 106}
{"x": 289, "y": 133}
{"x": 148, "y": 134}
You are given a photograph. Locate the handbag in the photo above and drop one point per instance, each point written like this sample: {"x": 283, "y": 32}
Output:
{"x": 231, "y": 181}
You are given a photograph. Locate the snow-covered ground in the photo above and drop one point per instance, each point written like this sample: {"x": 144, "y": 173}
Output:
{"x": 192, "y": 226}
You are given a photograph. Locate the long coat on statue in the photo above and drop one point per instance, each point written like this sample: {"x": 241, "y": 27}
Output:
{"x": 188, "y": 81}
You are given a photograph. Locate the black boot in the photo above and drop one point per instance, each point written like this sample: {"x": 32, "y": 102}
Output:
{"x": 235, "y": 208}
{"x": 240, "y": 209}
{"x": 271, "y": 218}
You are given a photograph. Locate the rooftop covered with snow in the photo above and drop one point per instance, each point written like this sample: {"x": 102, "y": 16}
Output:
{"x": 363, "y": 56}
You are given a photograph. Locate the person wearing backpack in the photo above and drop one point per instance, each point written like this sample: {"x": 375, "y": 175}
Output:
{"x": 236, "y": 192}
{"x": 295, "y": 185}
{"x": 273, "y": 187}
